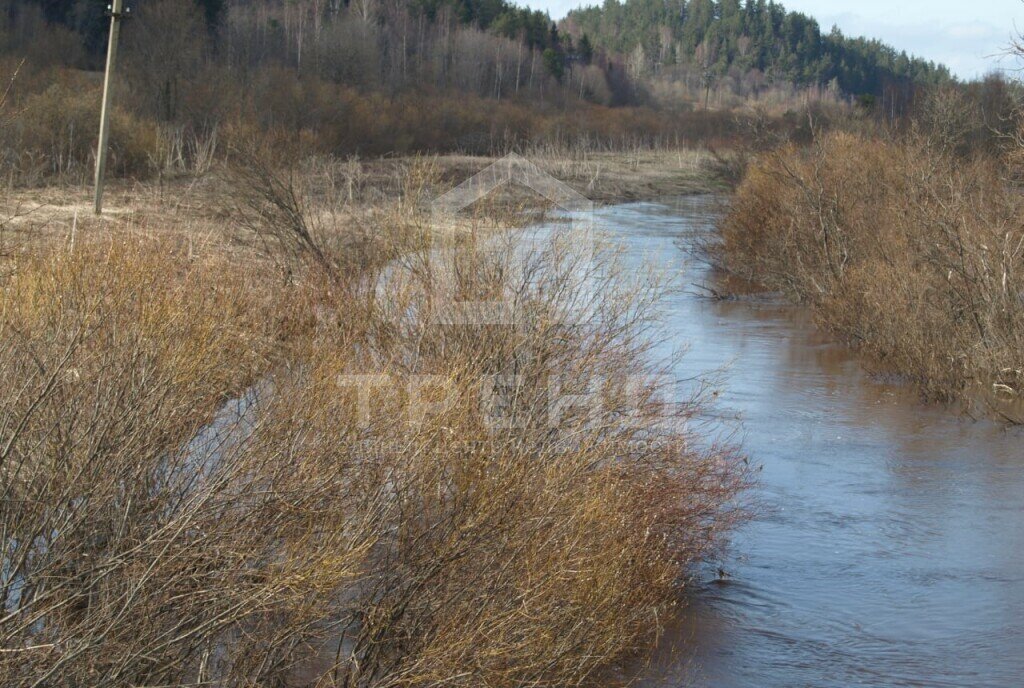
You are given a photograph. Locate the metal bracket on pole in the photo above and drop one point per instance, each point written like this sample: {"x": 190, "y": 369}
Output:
{"x": 116, "y": 15}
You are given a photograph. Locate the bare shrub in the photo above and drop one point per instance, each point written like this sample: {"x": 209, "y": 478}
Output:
{"x": 53, "y": 136}
{"x": 509, "y": 533}
{"x": 210, "y": 477}
{"x": 758, "y": 136}
{"x": 303, "y": 211}
{"x": 907, "y": 250}
{"x": 146, "y": 539}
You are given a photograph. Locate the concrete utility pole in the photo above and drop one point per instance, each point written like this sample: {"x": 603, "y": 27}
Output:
{"x": 101, "y": 150}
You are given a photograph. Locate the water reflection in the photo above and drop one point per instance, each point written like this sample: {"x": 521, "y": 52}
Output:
{"x": 891, "y": 548}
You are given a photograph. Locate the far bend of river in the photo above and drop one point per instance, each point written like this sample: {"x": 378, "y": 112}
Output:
{"x": 890, "y": 546}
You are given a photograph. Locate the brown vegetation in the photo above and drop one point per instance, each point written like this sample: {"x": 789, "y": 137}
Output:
{"x": 317, "y": 79}
{"x": 213, "y": 475}
{"x": 51, "y": 137}
{"x": 910, "y": 249}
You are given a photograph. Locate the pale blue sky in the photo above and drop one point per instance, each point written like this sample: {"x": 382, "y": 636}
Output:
{"x": 964, "y": 34}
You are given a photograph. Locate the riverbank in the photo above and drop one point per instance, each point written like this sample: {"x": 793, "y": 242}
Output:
{"x": 905, "y": 250}
{"x": 354, "y": 189}
{"x": 239, "y": 405}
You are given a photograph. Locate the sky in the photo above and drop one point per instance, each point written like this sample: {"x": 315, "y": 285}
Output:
{"x": 966, "y": 36}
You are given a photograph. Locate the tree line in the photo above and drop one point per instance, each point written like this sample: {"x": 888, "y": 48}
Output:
{"x": 729, "y": 36}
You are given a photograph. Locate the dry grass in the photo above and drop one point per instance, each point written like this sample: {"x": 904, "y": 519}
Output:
{"x": 639, "y": 172}
{"x": 347, "y": 199}
{"x": 213, "y": 475}
{"x": 911, "y": 253}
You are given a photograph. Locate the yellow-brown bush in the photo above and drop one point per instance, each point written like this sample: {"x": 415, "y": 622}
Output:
{"x": 193, "y": 493}
{"x": 534, "y": 552}
{"x": 53, "y": 135}
{"x": 907, "y": 251}
{"x": 142, "y": 536}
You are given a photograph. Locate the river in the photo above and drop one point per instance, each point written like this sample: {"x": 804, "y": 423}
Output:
{"x": 888, "y": 549}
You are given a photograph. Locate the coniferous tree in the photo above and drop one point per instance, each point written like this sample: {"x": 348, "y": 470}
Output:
{"x": 554, "y": 63}
{"x": 585, "y": 49}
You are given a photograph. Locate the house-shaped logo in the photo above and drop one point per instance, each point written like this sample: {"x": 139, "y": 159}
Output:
{"x": 513, "y": 169}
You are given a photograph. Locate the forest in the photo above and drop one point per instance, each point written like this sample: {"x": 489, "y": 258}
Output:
{"x": 756, "y": 43}
{"x": 354, "y": 77}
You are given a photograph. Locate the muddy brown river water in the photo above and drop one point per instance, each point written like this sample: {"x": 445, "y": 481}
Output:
{"x": 889, "y": 547}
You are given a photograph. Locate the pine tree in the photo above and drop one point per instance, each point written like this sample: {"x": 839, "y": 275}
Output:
{"x": 586, "y": 49}
{"x": 554, "y": 63}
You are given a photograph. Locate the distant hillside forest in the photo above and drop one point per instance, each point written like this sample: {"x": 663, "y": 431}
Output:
{"x": 373, "y": 77}
{"x": 756, "y": 41}
{"x": 87, "y": 17}
{"x": 491, "y": 47}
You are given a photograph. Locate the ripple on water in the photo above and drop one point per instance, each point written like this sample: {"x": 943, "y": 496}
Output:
{"x": 890, "y": 549}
